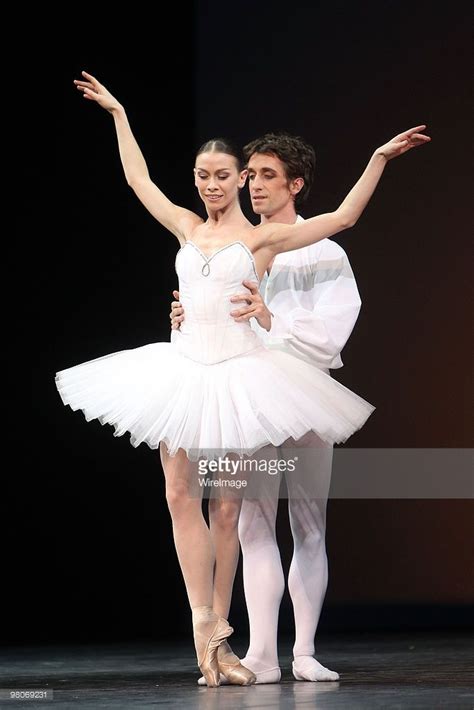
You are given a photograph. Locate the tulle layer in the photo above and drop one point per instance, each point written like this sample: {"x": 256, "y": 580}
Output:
{"x": 238, "y": 405}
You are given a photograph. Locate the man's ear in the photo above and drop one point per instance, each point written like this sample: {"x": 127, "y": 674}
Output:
{"x": 243, "y": 178}
{"x": 296, "y": 186}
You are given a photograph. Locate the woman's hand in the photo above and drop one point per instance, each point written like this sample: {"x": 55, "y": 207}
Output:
{"x": 403, "y": 142}
{"x": 94, "y": 91}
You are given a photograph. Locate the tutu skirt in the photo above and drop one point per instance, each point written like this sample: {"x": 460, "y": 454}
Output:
{"x": 237, "y": 405}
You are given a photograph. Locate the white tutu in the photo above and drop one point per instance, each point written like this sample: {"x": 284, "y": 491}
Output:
{"x": 215, "y": 389}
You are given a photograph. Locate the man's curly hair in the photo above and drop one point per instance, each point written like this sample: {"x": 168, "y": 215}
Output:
{"x": 295, "y": 153}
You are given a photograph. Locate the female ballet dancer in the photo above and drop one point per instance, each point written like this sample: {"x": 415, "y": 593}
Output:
{"x": 211, "y": 392}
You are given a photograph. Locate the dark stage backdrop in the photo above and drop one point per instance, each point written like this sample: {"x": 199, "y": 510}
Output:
{"x": 88, "y": 545}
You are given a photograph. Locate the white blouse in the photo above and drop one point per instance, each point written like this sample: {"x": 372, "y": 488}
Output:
{"x": 313, "y": 296}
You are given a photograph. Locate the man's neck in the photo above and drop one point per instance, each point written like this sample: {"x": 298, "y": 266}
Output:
{"x": 286, "y": 215}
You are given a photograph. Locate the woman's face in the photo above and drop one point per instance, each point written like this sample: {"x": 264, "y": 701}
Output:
{"x": 218, "y": 179}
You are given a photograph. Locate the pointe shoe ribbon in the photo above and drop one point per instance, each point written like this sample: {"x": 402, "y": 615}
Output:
{"x": 207, "y": 638}
{"x": 231, "y": 667}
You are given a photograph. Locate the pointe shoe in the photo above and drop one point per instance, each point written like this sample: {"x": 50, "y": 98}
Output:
{"x": 231, "y": 667}
{"x": 270, "y": 675}
{"x": 208, "y": 635}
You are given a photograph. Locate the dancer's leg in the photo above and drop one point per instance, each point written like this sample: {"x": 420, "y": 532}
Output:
{"x": 264, "y": 582}
{"x": 191, "y": 534}
{"x": 196, "y": 558}
{"x": 308, "y": 489}
{"x": 224, "y": 510}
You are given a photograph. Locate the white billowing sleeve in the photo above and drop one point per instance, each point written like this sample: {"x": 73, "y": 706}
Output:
{"x": 315, "y": 306}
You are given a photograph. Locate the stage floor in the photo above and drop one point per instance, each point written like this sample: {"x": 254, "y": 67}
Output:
{"x": 391, "y": 670}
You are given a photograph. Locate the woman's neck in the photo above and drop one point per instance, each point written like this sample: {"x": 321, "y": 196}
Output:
{"x": 232, "y": 215}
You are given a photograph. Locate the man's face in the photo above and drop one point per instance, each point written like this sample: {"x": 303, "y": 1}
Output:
{"x": 270, "y": 190}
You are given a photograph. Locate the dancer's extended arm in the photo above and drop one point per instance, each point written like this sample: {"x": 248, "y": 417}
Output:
{"x": 177, "y": 220}
{"x": 278, "y": 238}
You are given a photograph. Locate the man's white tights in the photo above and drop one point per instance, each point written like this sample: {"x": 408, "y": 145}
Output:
{"x": 264, "y": 581}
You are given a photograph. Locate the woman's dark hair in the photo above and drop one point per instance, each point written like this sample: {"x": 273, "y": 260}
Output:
{"x": 222, "y": 145}
{"x": 295, "y": 153}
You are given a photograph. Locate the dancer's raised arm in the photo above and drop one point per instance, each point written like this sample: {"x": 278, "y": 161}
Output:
{"x": 285, "y": 237}
{"x": 178, "y": 220}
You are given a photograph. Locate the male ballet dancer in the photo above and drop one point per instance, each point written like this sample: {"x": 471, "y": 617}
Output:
{"x": 307, "y": 306}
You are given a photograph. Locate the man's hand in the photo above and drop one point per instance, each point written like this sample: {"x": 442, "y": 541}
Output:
{"x": 255, "y": 308}
{"x": 177, "y": 312}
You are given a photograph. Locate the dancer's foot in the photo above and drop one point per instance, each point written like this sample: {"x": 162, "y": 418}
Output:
{"x": 262, "y": 672}
{"x": 308, "y": 668}
{"x": 231, "y": 667}
{"x": 210, "y": 630}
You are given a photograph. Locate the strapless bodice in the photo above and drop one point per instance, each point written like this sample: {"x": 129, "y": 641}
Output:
{"x": 209, "y": 334}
